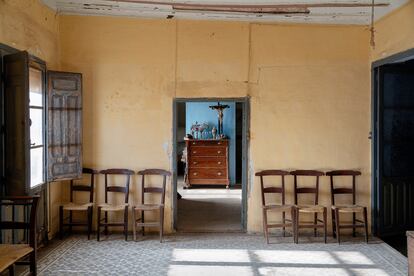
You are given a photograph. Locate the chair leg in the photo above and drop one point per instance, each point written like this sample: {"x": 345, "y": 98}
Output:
{"x": 354, "y": 228}
{"x": 89, "y": 222}
{"x": 265, "y": 229}
{"x": 61, "y": 222}
{"x": 32, "y": 263}
{"x": 70, "y": 221}
{"x": 11, "y": 270}
{"x": 106, "y": 222}
{"x": 284, "y": 221}
{"x": 126, "y": 223}
{"x": 293, "y": 216}
{"x": 134, "y": 224}
{"x": 161, "y": 223}
{"x": 366, "y": 224}
{"x": 98, "y": 225}
{"x": 325, "y": 223}
{"x": 315, "y": 221}
{"x": 297, "y": 225}
{"x": 142, "y": 220}
{"x": 333, "y": 223}
{"x": 338, "y": 230}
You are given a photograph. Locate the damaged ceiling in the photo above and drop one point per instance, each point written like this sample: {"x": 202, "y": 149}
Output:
{"x": 356, "y": 12}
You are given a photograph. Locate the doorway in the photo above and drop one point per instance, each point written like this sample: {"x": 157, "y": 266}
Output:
{"x": 208, "y": 205}
{"x": 393, "y": 149}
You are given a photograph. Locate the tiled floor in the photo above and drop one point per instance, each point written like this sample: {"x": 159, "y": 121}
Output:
{"x": 209, "y": 209}
{"x": 219, "y": 254}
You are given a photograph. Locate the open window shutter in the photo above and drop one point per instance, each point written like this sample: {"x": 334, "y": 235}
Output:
{"x": 17, "y": 124}
{"x": 64, "y": 125}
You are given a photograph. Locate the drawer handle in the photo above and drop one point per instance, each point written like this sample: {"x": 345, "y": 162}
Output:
{"x": 219, "y": 173}
{"x": 195, "y": 163}
{"x": 219, "y": 143}
{"x": 219, "y": 151}
{"x": 195, "y": 173}
{"x": 219, "y": 162}
{"x": 194, "y": 143}
{"x": 194, "y": 152}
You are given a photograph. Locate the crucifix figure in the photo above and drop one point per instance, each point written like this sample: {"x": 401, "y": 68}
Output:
{"x": 219, "y": 108}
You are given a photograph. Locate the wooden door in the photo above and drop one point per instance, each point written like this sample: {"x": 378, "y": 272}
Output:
{"x": 395, "y": 149}
{"x": 17, "y": 124}
{"x": 64, "y": 125}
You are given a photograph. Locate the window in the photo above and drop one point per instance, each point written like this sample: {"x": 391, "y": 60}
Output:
{"x": 34, "y": 108}
{"x": 37, "y": 126}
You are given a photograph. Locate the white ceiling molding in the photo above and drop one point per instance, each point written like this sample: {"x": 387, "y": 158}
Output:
{"x": 355, "y": 12}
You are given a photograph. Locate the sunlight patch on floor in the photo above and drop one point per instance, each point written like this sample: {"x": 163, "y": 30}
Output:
{"x": 211, "y": 255}
{"x": 199, "y": 270}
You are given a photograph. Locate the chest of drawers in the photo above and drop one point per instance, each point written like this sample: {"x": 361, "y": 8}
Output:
{"x": 207, "y": 162}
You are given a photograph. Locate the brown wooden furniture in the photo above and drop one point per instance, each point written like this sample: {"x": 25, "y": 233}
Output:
{"x": 107, "y": 207}
{"x": 313, "y": 208}
{"x": 143, "y": 207}
{"x": 207, "y": 162}
{"x": 350, "y": 209}
{"x": 78, "y": 207}
{"x": 283, "y": 207}
{"x": 11, "y": 254}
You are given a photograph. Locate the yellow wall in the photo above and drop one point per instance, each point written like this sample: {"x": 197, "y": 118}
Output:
{"x": 394, "y": 33}
{"x": 309, "y": 89}
{"x": 29, "y": 25}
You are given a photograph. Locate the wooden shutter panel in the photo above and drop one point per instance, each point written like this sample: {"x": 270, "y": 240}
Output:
{"x": 64, "y": 125}
{"x": 17, "y": 127}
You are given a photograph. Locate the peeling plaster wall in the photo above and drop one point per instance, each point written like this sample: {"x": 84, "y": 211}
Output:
{"x": 29, "y": 25}
{"x": 309, "y": 89}
{"x": 394, "y": 33}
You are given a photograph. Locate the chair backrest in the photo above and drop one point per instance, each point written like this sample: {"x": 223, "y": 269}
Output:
{"x": 25, "y": 201}
{"x": 160, "y": 190}
{"x": 272, "y": 190}
{"x": 343, "y": 190}
{"x": 116, "y": 188}
{"x": 306, "y": 190}
{"x": 77, "y": 187}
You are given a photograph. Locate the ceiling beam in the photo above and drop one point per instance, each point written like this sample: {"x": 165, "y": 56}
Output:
{"x": 199, "y": 6}
{"x": 266, "y": 10}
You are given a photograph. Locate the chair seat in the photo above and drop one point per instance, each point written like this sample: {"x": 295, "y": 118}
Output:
{"x": 71, "y": 206}
{"x": 109, "y": 207}
{"x": 147, "y": 207}
{"x": 310, "y": 208}
{"x": 348, "y": 208}
{"x": 277, "y": 207}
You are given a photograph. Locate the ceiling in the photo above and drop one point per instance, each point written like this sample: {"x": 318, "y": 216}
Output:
{"x": 356, "y": 12}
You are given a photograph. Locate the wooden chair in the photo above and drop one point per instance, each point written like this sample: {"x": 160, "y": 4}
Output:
{"x": 78, "y": 207}
{"x": 143, "y": 207}
{"x": 107, "y": 207}
{"x": 21, "y": 251}
{"x": 283, "y": 207}
{"x": 314, "y": 208}
{"x": 350, "y": 209}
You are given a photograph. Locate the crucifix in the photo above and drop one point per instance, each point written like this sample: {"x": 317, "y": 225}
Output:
{"x": 219, "y": 108}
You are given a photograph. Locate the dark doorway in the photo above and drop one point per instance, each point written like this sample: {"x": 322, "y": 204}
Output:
{"x": 393, "y": 193}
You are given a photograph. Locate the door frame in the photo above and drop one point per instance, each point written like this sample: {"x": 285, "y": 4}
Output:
{"x": 375, "y": 185}
{"x": 245, "y": 153}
